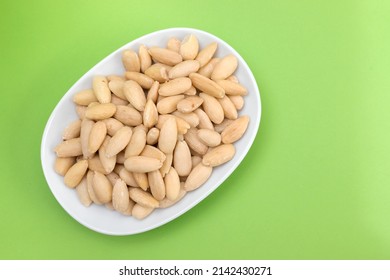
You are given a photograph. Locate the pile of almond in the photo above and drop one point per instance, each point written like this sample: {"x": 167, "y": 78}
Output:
{"x": 144, "y": 140}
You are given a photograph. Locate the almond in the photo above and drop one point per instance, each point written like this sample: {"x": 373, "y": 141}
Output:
{"x": 157, "y": 72}
{"x": 207, "y": 69}
{"x": 82, "y": 193}
{"x": 183, "y": 69}
{"x": 175, "y": 86}
{"x": 101, "y": 90}
{"x": 143, "y": 80}
{"x": 204, "y": 120}
{"x": 173, "y": 44}
{"x": 96, "y": 137}
{"x": 128, "y": 116}
{"x": 168, "y": 136}
{"x": 130, "y": 60}
{"x": 172, "y": 184}
{"x": 75, "y": 173}
{"x": 224, "y": 68}
{"x": 228, "y": 108}
{"x": 142, "y": 164}
{"x": 205, "y": 55}
{"x": 62, "y": 165}
{"x": 100, "y": 111}
{"x": 112, "y": 126}
{"x": 182, "y": 158}
{"x": 84, "y": 97}
{"x": 140, "y": 212}
{"x": 134, "y": 94}
{"x": 189, "y": 104}
{"x": 212, "y": 108}
{"x": 153, "y": 152}
{"x": 232, "y": 88}
{"x": 165, "y": 203}
{"x": 153, "y": 92}
{"x": 156, "y": 183}
{"x": 119, "y": 141}
{"x": 189, "y": 47}
{"x": 143, "y": 198}
{"x": 238, "y": 101}
{"x": 166, "y": 165}
{"x": 150, "y": 114}
{"x": 235, "y": 130}
{"x": 102, "y": 187}
{"x": 108, "y": 163}
{"x": 168, "y": 104}
{"x": 144, "y": 58}
{"x": 197, "y": 177}
{"x": 209, "y": 137}
{"x": 152, "y": 136}
{"x": 116, "y": 87}
{"x": 120, "y": 196}
{"x": 193, "y": 141}
{"x": 69, "y": 148}
{"x": 90, "y": 190}
{"x": 128, "y": 177}
{"x": 206, "y": 85}
{"x": 137, "y": 143}
{"x": 219, "y": 155}
{"x": 165, "y": 56}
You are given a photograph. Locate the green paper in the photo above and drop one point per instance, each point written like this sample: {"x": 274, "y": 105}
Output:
{"x": 315, "y": 184}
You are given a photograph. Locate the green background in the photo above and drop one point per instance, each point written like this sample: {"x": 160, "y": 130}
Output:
{"x": 315, "y": 184}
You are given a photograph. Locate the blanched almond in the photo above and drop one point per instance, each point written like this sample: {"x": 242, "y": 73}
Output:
{"x": 173, "y": 44}
{"x": 219, "y": 155}
{"x": 90, "y": 190}
{"x": 212, "y": 108}
{"x": 182, "y": 158}
{"x": 204, "y": 120}
{"x": 86, "y": 127}
{"x": 206, "y": 54}
{"x": 232, "y": 88}
{"x": 102, "y": 187}
{"x": 189, "y": 104}
{"x": 191, "y": 91}
{"x": 228, "y": 108}
{"x": 100, "y": 111}
{"x": 112, "y": 126}
{"x": 166, "y": 165}
{"x": 119, "y": 141}
{"x": 142, "y": 164}
{"x": 115, "y": 78}
{"x": 197, "y": 177}
{"x": 130, "y": 60}
{"x": 237, "y": 100}
{"x": 82, "y": 193}
{"x": 209, "y": 67}
{"x": 165, "y": 56}
{"x": 143, "y": 80}
{"x": 153, "y": 152}
{"x": 189, "y": 47}
{"x": 142, "y": 180}
{"x": 95, "y": 164}
{"x": 144, "y": 58}
{"x": 195, "y": 160}
{"x": 209, "y": 137}
{"x": 137, "y": 143}
{"x": 62, "y": 165}
{"x": 182, "y": 125}
{"x": 168, "y": 136}
{"x": 168, "y": 104}
{"x": 118, "y": 101}
{"x": 84, "y": 97}
{"x": 140, "y": 212}
{"x": 153, "y": 92}
{"x": 191, "y": 118}
{"x": 156, "y": 183}
{"x": 143, "y": 198}
{"x": 224, "y": 68}
{"x": 206, "y": 85}
{"x": 129, "y": 210}
{"x": 157, "y": 72}
{"x": 101, "y": 90}
{"x": 96, "y": 137}
{"x": 152, "y": 136}
{"x": 116, "y": 87}
{"x": 69, "y": 148}
{"x": 150, "y": 114}
{"x": 172, "y": 184}
{"x": 183, "y": 69}
{"x": 108, "y": 163}
{"x": 193, "y": 141}
{"x": 220, "y": 127}
{"x": 75, "y": 173}
{"x": 165, "y": 203}
{"x": 235, "y": 130}
{"x": 232, "y": 78}
{"x": 134, "y": 94}
{"x": 175, "y": 86}
{"x": 128, "y": 177}
{"x": 120, "y": 196}
{"x": 128, "y": 116}
{"x": 112, "y": 177}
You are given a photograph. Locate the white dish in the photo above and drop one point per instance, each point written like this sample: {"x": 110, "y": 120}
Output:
{"x": 103, "y": 220}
